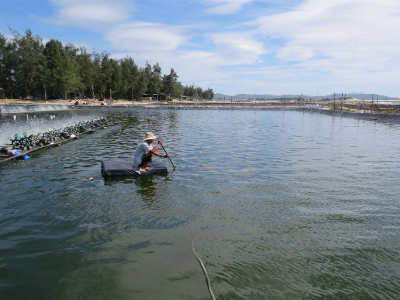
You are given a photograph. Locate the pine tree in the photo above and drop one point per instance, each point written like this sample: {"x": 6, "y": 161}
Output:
{"x": 116, "y": 79}
{"x": 155, "y": 82}
{"x": 169, "y": 83}
{"x": 86, "y": 71}
{"x": 130, "y": 75}
{"x": 26, "y": 59}
{"x": 31, "y": 68}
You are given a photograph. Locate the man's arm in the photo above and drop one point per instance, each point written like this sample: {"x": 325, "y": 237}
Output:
{"x": 154, "y": 150}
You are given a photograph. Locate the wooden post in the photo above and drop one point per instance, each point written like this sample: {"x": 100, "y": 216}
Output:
{"x": 377, "y": 104}
{"x": 334, "y": 101}
{"x": 341, "y": 103}
{"x": 284, "y": 102}
{"x": 45, "y": 93}
{"x": 372, "y": 103}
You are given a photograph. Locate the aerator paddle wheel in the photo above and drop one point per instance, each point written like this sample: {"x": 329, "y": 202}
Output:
{"x": 45, "y": 138}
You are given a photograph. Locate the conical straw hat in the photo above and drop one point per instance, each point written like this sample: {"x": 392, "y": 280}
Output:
{"x": 150, "y": 136}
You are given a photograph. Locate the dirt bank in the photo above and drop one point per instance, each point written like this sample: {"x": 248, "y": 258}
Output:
{"x": 70, "y": 102}
{"x": 386, "y": 118}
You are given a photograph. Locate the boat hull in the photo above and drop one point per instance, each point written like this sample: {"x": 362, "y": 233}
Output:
{"x": 126, "y": 168}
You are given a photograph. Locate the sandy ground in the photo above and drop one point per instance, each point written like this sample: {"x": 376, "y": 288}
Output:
{"x": 70, "y": 102}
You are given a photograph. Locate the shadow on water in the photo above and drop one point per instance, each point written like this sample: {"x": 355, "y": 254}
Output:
{"x": 146, "y": 186}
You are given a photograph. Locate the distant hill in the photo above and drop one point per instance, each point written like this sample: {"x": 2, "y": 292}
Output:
{"x": 360, "y": 96}
{"x": 363, "y": 96}
{"x": 251, "y": 96}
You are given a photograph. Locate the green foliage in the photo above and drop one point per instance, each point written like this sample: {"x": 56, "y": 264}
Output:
{"x": 155, "y": 81}
{"x": 60, "y": 71}
{"x": 143, "y": 81}
{"x": 116, "y": 79}
{"x": 178, "y": 90}
{"x": 30, "y": 68}
{"x": 71, "y": 78}
{"x": 170, "y": 84}
{"x": 86, "y": 71}
{"x": 198, "y": 93}
{"x": 4, "y": 73}
{"x": 208, "y": 94}
{"x": 23, "y": 58}
{"x": 105, "y": 75}
{"x": 130, "y": 75}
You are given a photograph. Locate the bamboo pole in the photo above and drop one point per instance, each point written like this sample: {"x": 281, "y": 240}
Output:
{"x": 168, "y": 156}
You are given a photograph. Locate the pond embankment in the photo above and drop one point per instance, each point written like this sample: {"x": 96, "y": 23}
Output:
{"x": 387, "y": 118}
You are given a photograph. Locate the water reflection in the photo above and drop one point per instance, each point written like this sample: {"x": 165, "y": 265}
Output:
{"x": 110, "y": 181}
{"x": 146, "y": 187}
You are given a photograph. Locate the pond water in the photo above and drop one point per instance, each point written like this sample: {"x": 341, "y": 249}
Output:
{"x": 281, "y": 204}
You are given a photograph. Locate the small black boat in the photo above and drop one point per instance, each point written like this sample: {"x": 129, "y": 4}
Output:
{"x": 126, "y": 168}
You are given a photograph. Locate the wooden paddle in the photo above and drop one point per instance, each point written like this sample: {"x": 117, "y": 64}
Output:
{"x": 168, "y": 156}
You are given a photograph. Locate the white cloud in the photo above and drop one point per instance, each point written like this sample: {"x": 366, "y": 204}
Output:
{"x": 141, "y": 36}
{"x": 199, "y": 67}
{"x": 91, "y": 12}
{"x": 319, "y": 45}
{"x": 293, "y": 52}
{"x": 225, "y": 7}
{"x": 355, "y": 41}
{"x": 237, "y": 48}
{"x": 206, "y": 68}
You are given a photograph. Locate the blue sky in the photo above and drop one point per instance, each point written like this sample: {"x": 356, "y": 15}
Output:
{"x": 234, "y": 46}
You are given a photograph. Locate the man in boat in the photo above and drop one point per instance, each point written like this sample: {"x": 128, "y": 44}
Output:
{"x": 145, "y": 152}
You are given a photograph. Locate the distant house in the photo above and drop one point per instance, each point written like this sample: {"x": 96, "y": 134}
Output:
{"x": 3, "y": 93}
{"x": 150, "y": 97}
{"x": 188, "y": 98}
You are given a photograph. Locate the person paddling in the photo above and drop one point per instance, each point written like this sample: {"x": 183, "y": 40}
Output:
{"x": 145, "y": 152}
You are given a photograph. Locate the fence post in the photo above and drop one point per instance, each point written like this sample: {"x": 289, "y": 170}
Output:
{"x": 334, "y": 101}
{"x": 341, "y": 102}
{"x": 372, "y": 104}
{"x": 377, "y": 103}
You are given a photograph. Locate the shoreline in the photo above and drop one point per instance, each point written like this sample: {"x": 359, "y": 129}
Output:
{"x": 68, "y": 102}
{"x": 153, "y": 105}
{"x": 377, "y": 117}
{"x": 323, "y": 108}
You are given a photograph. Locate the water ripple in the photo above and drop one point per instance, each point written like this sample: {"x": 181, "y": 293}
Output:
{"x": 282, "y": 205}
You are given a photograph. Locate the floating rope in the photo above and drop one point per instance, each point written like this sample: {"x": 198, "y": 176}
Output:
{"x": 205, "y": 272}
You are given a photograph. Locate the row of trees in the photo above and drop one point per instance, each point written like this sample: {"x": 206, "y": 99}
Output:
{"x": 31, "y": 68}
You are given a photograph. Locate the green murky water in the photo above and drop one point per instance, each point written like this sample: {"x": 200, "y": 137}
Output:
{"x": 282, "y": 205}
